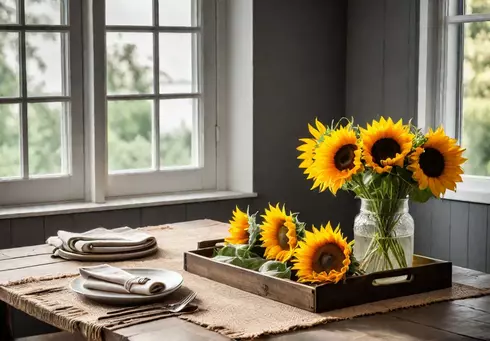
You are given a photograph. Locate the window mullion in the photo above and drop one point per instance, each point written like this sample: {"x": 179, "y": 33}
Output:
{"x": 95, "y": 99}
{"x": 156, "y": 88}
{"x": 23, "y": 79}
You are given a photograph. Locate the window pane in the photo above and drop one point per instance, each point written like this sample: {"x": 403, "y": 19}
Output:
{"x": 9, "y": 64}
{"x": 9, "y": 140}
{"x": 476, "y": 98}
{"x": 46, "y": 12}
{"x": 46, "y": 61}
{"x": 176, "y": 130}
{"x": 477, "y": 6}
{"x": 177, "y": 13}
{"x": 129, "y": 134}
{"x": 8, "y": 12}
{"x": 129, "y": 12}
{"x": 45, "y": 138}
{"x": 129, "y": 63}
{"x": 176, "y": 63}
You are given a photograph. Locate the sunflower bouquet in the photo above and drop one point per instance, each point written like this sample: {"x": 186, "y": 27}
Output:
{"x": 282, "y": 246}
{"x": 384, "y": 164}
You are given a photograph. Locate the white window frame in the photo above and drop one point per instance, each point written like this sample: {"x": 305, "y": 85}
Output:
{"x": 439, "y": 101}
{"x": 156, "y": 181}
{"x": 88, "y": 178}
{"x": 70, "y": 185}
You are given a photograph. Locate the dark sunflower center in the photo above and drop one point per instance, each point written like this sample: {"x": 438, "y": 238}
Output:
{"x": 432, "y": 162}
{"x": 344, "y": 158}
{"x": 385, "y": 148}
{"x": 327, "y": 258}
{"x": 282, "y": 237}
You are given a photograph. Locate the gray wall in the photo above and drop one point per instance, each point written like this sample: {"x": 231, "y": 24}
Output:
{"x": 299, "y": 74}
{"x": 381, "y": 80}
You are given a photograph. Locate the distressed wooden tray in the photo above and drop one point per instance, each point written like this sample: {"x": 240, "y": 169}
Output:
{"x": 427, "y": 274}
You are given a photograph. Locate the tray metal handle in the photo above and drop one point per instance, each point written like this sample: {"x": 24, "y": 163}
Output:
{"x": 209, "y": 243}
{"x": 392, "y": 277}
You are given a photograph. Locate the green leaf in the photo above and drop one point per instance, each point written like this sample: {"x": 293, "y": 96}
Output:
{"x": 275, "y": 269}
{"x": 253, "y": 230}
{"x": 250, "y": 263}
{"x": 421, "y": 196}
{"x": 224, "y": 259}
{"x": 228, "y": 250}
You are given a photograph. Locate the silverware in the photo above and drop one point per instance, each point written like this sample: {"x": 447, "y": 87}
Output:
{"x": 173, "y": 308}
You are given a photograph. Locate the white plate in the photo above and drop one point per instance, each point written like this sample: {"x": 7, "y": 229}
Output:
{"x": 172, "y": 280}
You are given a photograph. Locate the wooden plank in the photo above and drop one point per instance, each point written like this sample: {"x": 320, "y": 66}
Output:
{"x": 450, "y": 317}
{"x": 27, "y": 262}
{"x": 477, "y": 233}
{"x": 159, "y": 215}
{"x": 441, "y": 221}
{"x": 5, "y": 323}
{"x": 292, "y": 293}
{"x": 378, "y": 327}
{"x": 422, "y": 215}
{"x": 5, "y": 235}
{"x": 203, "y": 210}
{"x": 26, "y": 251}
{"x": 479, "y": 303}
{"x": 172, "y": 328}
{"x": 459, "y": 233}
{"x": 27, "y": 231}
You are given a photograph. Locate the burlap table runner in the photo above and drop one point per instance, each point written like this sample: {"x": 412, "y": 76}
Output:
{"x": 226, "y": 310}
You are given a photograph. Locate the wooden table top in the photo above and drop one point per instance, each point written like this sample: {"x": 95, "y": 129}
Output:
{"x": 467, "y": 319}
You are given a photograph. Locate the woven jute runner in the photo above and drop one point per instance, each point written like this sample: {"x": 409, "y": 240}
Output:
{"x": 226, "y": 310}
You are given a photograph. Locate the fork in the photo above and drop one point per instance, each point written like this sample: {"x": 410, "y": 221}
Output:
{"x": 172, "y": 307}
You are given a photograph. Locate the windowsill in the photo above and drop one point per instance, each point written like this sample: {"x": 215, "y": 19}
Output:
{"x": 474, "y": 189}
{"x": 121, "y": 203}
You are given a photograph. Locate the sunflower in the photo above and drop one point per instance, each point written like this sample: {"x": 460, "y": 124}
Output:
{"x": 238, "y": 228}
{"x": 437, "y": 164}
{"x": 309, "y": 145}
{"x": 278, "y": 234}
{"x": 385, "y": 144}
{"x": 337, "y": 158}
{"x": 324, "y": 256}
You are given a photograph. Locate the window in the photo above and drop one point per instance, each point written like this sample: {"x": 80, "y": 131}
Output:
{"x": 148, "y": 126}
{"x": 460, "y": 72}
{"x": 40, "y": 99}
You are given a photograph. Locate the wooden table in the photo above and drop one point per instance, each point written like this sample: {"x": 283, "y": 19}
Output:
{"x": 458, "y": 320}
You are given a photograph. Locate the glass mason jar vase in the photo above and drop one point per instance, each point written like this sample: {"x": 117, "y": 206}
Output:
{"x": 383, "y": 234}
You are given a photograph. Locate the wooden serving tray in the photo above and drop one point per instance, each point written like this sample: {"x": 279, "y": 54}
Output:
{"x": 427, "y": 274}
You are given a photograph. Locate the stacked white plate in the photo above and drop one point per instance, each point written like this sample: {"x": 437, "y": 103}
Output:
{"x": 173, "y": 281}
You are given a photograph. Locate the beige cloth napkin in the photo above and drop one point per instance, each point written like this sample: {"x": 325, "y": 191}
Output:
{"x": 109, "y": 278}
{"x": 102, "y": 240}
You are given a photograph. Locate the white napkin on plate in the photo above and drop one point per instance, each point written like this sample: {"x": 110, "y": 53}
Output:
{"x": 102, "y": 240}
{"x": 109, "y": 278}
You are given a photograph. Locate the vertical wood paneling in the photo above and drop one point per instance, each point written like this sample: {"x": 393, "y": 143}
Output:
{"x": 459, "y": 233}
{"x": 204, "y": 210}
{"x": 54, "y": 223}
{"x": 365, "y": 59}
{"x": 5, "y": 236}
{"x": 108, "y": 219}
{"x": 423, "y": 230}
{"x": 27, "y": 231}
{"x": 488, "y": 241}
{"x": 396, "y": 58}
{"x": 477, "y": 233}
{"x": 441, "y": 233}
{"x": 162, "y": 215}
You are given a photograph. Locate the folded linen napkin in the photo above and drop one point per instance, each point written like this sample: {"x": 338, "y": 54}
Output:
{"x": 109, "y": 278}
{"x": 102, "y": 240}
